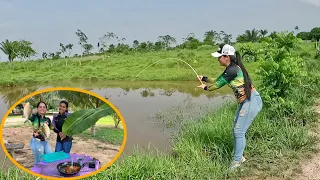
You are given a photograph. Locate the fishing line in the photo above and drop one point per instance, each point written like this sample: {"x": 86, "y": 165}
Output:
{"x": 173, "y": 59}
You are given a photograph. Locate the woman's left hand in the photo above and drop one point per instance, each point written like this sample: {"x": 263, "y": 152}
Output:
{"x": 202, "y": 86}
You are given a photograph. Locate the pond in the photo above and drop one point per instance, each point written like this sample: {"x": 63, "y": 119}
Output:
{"x": 151, "y": 110}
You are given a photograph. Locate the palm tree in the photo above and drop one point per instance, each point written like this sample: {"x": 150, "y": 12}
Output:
{"x": 263, "y": 32}
{"x": 296, "y": 28}
{"x": 210, "y": 37}
{"x": 8, "y": 48}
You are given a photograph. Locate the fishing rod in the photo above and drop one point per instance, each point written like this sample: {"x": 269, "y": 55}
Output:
{"x": 173, "y": 59}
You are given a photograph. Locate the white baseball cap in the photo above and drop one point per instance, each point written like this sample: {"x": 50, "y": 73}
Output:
{"x": 224, "y": 49}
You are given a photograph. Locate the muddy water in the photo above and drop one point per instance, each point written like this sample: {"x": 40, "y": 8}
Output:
{"x": 141, "y": 104}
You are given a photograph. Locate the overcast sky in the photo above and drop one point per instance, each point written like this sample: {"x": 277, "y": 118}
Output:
{"x": 47, "y": 23}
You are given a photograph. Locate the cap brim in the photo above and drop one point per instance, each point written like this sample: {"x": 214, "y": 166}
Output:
{"x": 216, "y": 54}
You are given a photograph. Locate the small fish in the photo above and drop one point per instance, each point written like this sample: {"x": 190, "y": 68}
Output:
{"x": 27, "y": 111}
{"x": 46, "y": 131}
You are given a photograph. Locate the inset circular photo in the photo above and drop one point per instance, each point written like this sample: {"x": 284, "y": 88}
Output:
{"x": 63, "y": 133}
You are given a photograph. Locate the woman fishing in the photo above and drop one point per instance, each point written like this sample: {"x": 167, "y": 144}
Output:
{"x": 249, "y": 100}
{"x": 39, "y": 144}
{"x": 63, "y": 142}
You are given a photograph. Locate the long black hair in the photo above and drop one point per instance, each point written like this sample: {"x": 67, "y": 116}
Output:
{"x": 247, "y": 81}
{"x": 66, "y": 103}
{"x": 43, "y": 103}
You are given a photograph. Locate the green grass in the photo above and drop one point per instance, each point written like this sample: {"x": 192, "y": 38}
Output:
{"x": 117, "y": 67}
{"x": 106, "y": 134}
{"x": 107, "y": 121}
{"x": 204, "y": 150}
{"x": 125, "y": 67}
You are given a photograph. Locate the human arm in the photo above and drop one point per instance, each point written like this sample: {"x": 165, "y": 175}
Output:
{"x": 226, "y": 77}
{"x": 54, "y": 124}
{"x": 208, "y": 80}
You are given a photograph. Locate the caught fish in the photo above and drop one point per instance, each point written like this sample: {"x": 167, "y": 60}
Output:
{"x": 46, "y": 131}
{"x": 27, "y": 111}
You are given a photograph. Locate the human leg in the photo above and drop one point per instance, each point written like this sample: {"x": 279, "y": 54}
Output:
{"x": 47, "y": 147}
{"x": 58, "y": 146}
{"x": 247, "y": 113}
{"x": 37, "y": 150}
{"x": 67, "y": 146}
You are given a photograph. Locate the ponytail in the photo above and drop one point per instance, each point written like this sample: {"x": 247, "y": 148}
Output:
{"x": 247, "y": 81}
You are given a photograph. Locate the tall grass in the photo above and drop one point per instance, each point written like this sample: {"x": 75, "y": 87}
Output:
{"x": 204, "y": 150}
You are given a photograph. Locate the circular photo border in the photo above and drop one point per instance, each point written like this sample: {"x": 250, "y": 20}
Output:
{"x": 67, "y": 89}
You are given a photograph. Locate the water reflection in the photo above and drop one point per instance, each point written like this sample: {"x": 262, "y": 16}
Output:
{"x": 140, "y": 104}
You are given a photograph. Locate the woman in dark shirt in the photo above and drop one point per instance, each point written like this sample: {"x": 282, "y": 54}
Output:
{"x": 63, "y": 142}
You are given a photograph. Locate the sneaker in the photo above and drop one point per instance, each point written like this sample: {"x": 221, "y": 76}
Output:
{"x": 243, "y": 159}
{"x": 236, "y": 164}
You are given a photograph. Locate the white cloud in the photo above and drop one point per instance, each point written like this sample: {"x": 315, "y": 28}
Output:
{"x": 312, "y": 2}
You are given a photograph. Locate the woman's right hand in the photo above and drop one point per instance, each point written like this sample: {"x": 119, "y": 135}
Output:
{"x": 200, "y": 77}
{"x": 61, "y": 135}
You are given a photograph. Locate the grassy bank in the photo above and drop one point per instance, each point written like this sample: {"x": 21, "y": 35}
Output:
{"x": 105, "y": 134}
{"x": 123, "y": 67}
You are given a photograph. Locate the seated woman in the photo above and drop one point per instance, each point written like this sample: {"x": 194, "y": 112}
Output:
{"x": 63, "y": 142}
{"x": 38, "y": 144}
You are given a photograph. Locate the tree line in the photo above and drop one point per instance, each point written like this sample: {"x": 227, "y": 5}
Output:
{"x": 23, "y": 49}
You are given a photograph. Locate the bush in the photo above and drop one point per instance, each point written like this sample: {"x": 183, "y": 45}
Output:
{"x": 280, "y": 70}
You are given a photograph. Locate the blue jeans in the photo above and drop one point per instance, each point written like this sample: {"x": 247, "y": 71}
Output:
{"x": 39, "y": 148}
{"x": 245, "y": 114}
{"x": 63, "y": 146}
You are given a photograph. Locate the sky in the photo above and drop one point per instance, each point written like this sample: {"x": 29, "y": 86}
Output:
{"x": 48, "y": 23}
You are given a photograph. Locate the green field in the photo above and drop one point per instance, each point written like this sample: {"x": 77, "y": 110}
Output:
{"x": 117, "y": 67}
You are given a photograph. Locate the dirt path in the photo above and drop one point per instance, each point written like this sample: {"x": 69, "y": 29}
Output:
{"x": 100, "y": 150}
{"x": 311, "y": 167}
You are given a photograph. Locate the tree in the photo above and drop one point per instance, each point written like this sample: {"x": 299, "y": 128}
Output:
{"x": 304, "y": 35}
{"x": 17, "y": 49}
{"x": 210, "y": 37}
{"x": 263, "y": 32}
{"x": 167, "y": 40}
{"x": 82, "y": 38}
{"x": 9, "y": 49}
{"x": 63, "y": 48}
{"x": 87, "y": 48}
{"x": 25, "y": 50}
{"x": 135, "y": 44}
{"x": 249, "y": 36}
{"x": 227, "y": 38}
{"x": 315, "y": 34}
{"x": 51, "y": 55}
{"x": 296, "y": 28}
{"x": 69, "y": 47}
{"x": 44, "y": 55}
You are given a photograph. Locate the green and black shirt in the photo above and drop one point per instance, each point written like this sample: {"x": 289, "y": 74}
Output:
{"x": 233, "y": 76}
{"x": 37, "y": 123}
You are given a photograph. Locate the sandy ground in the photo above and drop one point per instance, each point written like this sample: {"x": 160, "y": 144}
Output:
{"x": 311, "y": 167}
{"x": 100, "y": 150}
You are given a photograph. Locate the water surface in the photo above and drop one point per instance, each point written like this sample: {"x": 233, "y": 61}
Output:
{"x": 148, "y": 108}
